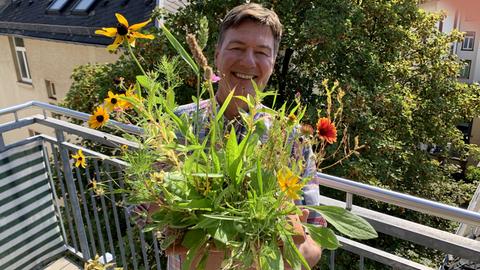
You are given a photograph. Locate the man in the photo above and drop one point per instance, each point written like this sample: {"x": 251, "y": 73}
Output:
{"x": 246, "y": 50}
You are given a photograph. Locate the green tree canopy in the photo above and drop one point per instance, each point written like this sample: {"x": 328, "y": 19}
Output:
{"x": 395, "y": 66}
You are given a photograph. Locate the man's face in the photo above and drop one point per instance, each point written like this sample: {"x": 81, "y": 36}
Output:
{"x": 246, "y": 53}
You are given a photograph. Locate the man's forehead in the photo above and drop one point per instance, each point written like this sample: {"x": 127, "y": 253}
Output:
{"x": 263, "y": 45}
{"x": 248, "y": 33}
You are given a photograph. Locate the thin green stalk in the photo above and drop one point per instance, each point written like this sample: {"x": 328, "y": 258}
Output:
{"x": 134, "y": 57}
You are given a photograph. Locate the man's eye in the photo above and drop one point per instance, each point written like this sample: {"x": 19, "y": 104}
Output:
{"x": 263, "y": 53}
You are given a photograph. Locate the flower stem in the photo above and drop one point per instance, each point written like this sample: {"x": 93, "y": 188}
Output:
{"x": 134, "y": 57}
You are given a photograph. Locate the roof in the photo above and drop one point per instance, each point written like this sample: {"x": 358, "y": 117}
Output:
{"x": 30, "y": 18}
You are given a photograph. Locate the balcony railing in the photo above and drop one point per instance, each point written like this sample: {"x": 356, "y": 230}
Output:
{"x": 93, "y": 218}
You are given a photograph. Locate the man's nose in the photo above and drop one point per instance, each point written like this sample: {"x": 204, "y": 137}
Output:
{"x": 248, "y": 59}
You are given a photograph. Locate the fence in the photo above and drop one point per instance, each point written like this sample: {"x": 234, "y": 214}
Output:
{"x": 94, "y": 219}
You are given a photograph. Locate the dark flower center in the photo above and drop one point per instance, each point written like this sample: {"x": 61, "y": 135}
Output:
{"x": 80, "y": 158}
{"x": 113, "y": 101}
{"x": 100, "y": 118}
{"x": 122, "y": 30}
{"x": 323, "y": 131}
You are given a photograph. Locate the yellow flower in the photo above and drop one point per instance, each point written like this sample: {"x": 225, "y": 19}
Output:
{"x": 113, "y": 102}
{"x": 123, "y": 32}
{"x": 99, "y": 118}
{"x": 124, "y": 147}
{"x": 80, "y": 159}
{"x": 289, "y": 183}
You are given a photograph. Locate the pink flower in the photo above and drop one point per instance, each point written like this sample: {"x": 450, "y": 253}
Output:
{"x": 215, "y": 78}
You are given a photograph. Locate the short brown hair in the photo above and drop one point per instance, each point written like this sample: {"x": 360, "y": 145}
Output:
{"x": 253, "y": 12}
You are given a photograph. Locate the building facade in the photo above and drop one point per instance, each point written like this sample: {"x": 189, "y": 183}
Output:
{"x": 463, "y": 16}
{"x": 42, "y": 42}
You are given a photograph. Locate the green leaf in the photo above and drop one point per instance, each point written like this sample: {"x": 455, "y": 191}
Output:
{"x": 224, "y": 106}
{"x": 193, "y": 240}
{"x": 200, "y": 204}
{"x": 223, "y": 217}
{"x": 271, "y": 257}
{"x": 292, "y": 255}
{"x": 206, "y": 223}
{"x": 180, "y": 50}
{"x": 144, "y": 81}
{"x": 323, "y": 236}
{"x": 346, "y": 222}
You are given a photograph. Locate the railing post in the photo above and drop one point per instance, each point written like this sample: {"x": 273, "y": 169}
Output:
{"x": 2, "y": 142}
{"x": 72, "y": 190}
{"x": 361, "y": 265}
{"x": 332, "y": 260}
{"x": 349, "y": 201}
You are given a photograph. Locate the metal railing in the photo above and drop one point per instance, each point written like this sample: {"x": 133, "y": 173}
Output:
{"x": 94, "y": 219}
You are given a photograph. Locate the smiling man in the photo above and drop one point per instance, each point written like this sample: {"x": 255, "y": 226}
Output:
{"x": 246, "y": 49}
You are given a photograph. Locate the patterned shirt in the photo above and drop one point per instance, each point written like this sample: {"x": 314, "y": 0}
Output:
{"x": 311, "y": 192}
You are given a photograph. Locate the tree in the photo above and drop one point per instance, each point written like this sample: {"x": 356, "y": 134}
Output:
{"x": 400, "y": 82}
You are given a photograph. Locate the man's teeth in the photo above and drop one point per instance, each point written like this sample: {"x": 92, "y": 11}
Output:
{"x": 244, "y": 76}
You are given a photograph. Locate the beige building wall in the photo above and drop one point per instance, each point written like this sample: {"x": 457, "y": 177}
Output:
{"x": 47, "y": 60}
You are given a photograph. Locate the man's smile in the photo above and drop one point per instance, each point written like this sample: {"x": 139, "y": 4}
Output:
{"x": 244, "y": 76}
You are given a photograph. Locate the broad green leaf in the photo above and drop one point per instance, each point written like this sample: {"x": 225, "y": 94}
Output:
{"x": 346, "y": 222}
{"x": 323, "y": 236}
{"x": 178, "y": 47}
{"x": 206, "y": 223}
{"x": 193, "y": 241}
{"x": 144, "y": 81}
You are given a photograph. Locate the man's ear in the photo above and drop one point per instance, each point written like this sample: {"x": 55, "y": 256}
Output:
{"x": 216, "y": 56}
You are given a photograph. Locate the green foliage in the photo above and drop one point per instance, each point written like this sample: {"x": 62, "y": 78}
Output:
{"x": 392, "y": 62}
{"x": 400, "y": 84}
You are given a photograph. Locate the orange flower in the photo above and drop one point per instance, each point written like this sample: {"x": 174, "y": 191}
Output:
{"x": 289, "y": 183}
{"x": 306, "y": 130}
{"x": 99, "y": 118}
{"x": 326, "y": 130}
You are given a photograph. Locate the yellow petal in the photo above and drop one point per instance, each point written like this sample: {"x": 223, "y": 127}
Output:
{"x": 109, "y": 32}
{"x": 140, "y": 35}
{"x": 131, "y": 40}
{"x": 115, "y": 44}
{"x": 121, "y": 19}
{"x": 139, "y": 26}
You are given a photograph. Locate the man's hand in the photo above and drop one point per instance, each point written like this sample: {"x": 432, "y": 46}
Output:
{"x": 307, "y": 247}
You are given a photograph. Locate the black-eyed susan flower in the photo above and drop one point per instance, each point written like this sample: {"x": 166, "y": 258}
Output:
{"x": 124, "y": 32}
{"x": 99, "y": 118}
{"x": 79, "y": 159}
{"x": 124, "y": 147}
{"x": 289, "y": 183}
{"x": 113, "y": 102}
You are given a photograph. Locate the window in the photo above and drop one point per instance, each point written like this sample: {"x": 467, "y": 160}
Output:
{"x": 468, "y": 41}
{"x": 51, "y": 92}
{"x": 465, "y": 72}
{"x": 83, "y": 6}
{"x": 57, "y": 5}
{"x": 22, "y": 63}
